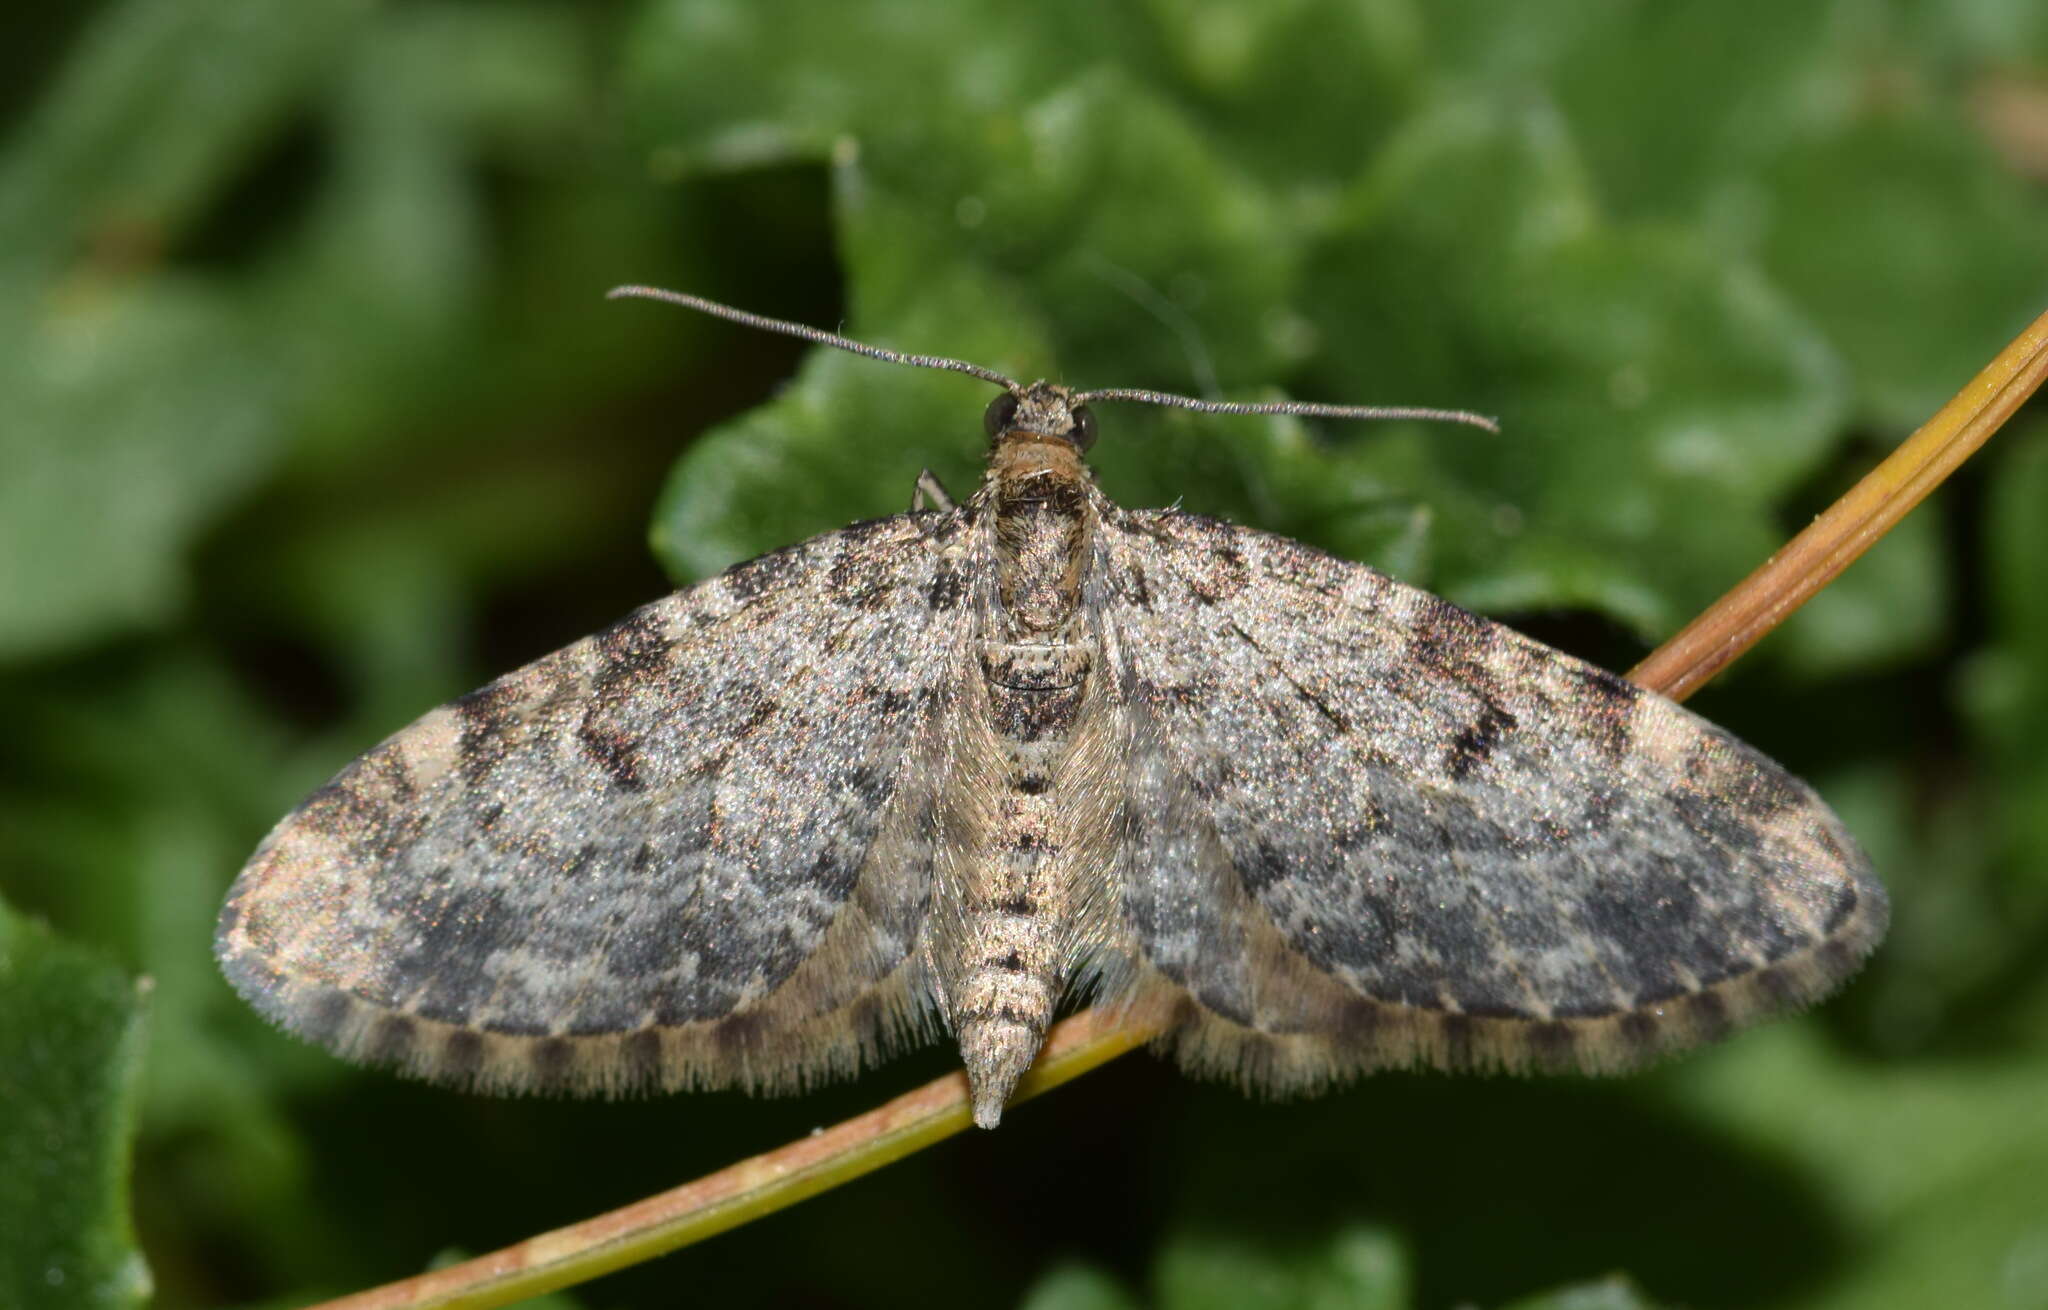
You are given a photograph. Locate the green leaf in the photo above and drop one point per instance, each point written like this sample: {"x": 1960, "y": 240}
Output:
{"x": 164, "y": 394}
{"x": 151, "y": 403}
{"x": 142, "y": 128}
{"x": 2010, "y": 686}
{"x": 1659, "y": 402}
{"x": 1354, "y": 1268}
{"x": 1674, "y": 106}
{"x": 1906, "y": 217}
{"x": 149, "y": 398}
{"x": 71, "y": 1041}
{"x": 1934, "y": 1167}
{"x": 1252, "y": 71}
{"x": 1077, "y": 1287}
{"x": 1616, "y": 1293}
{"x": 1656, "y": 401}
{"x": 2005, "y": 688}
{"x": 1884, "y": 217}
{"x": 1981, "y": 1240}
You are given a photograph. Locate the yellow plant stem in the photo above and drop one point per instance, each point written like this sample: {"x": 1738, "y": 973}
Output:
{"x": 746, "y": 1191}
{"x": 764, "y": 1184}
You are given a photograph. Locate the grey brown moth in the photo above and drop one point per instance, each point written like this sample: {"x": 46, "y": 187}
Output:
{"x": 939, "y": 772}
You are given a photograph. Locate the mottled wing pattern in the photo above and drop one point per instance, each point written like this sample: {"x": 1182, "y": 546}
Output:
{"x": 693, "y": 850}
{"x": 1366, "y": 828}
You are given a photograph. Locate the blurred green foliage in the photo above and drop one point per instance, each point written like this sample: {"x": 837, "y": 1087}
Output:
{"x": 314, "y": 417}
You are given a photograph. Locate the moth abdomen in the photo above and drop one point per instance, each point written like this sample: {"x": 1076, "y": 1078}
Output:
{"x": 1009, "y": 968}
{"x": 1005, "y": 1001}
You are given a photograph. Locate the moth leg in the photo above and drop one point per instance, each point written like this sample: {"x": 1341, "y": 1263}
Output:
{"x": 930, "y": 494}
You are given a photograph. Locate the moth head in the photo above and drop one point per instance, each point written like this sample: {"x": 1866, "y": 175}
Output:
{"x": 1040, "y": 410}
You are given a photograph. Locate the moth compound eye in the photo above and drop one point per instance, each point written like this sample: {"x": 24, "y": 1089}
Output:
{"x": 996, "y": 418}
{"x": 1083, "y": 434}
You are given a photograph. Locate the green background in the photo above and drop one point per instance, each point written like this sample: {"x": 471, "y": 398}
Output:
{"x": 312, "y": 416}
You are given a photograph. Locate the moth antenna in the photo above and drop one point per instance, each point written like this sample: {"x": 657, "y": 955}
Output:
{"x": 1303, "y": 408}
{"x": 808, "y": 333}
{"x": 803, "y": 331}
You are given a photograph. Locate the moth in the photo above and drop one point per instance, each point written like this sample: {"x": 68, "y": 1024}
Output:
{"x": 942, "y": 771}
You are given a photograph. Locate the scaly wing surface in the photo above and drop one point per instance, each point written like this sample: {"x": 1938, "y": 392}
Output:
{"x": 1365, "y": 828}
{"x": 692, "y": 850}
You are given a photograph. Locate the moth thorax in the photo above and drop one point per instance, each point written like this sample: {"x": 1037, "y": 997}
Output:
{"x": 1042, "y": 529}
